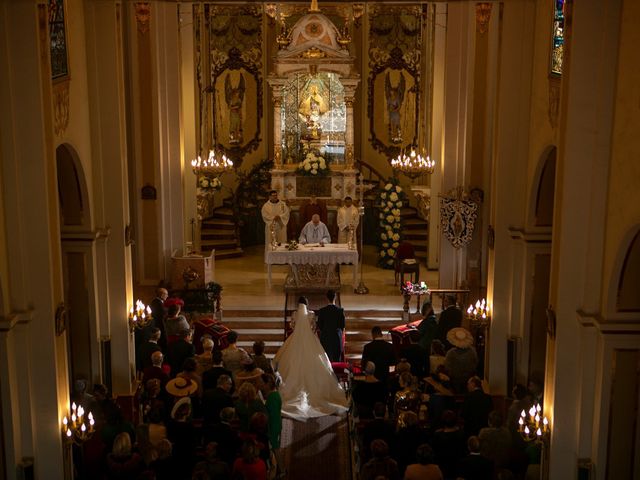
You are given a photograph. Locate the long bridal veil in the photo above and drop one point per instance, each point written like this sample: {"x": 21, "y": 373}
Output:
{"x": 310, "y": 388}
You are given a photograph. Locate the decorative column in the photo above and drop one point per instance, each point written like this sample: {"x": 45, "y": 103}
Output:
{"x": 349, "y": 96}
{"x": 278, "y": 172}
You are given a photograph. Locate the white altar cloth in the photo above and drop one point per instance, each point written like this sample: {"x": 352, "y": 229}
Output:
{"x": 330, "y": 254}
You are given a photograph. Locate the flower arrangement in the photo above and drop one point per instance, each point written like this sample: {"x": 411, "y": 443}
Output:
{"x": 208, "y": 184}
{"x": 409, "y": 288}
{"x": 292, "y": 245}
{"x": 390, "y": 202}
{"x": 313, "y": 165}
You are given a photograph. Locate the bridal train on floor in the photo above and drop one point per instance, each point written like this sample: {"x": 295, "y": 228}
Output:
{"x": 310, "y": 387}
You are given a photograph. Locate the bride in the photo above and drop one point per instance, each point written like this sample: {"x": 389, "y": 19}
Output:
{"x": 310, "y": 388}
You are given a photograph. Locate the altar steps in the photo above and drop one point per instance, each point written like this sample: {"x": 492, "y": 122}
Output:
{"x": 268, "y": 325}
{"x": 219, "y": 233}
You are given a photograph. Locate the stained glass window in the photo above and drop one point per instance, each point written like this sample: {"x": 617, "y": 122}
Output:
{"x": 57, "y": 39}
{"x": 558, "y": 37}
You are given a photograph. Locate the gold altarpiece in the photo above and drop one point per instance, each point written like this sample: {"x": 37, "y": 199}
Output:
{"x": 313, "y": 87}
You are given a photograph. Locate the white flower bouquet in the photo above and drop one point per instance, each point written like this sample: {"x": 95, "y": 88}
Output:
{"x": 313, "y": 165}
{"x": 391, "y": 199}
{"x": 208, "y": 184}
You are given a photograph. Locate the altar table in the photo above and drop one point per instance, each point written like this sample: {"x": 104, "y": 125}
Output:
{"x": 330, "y": 254}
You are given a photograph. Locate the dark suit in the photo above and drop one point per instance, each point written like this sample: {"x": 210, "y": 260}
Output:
{"x": 159, "y": 312}
{"x": 475, "y": 411}
{"x": 143, "y": 357}
{"x": 475, "y": 467}
{"x": 450, "y": 317}
{"x": 331, "y": 323}
{"x": 417, "y": 356}
{"x": 178, "y": 352}
{"x": 213, "y": 401}
{"x": 210, "y": 377}
{"x": 381, "y": 353}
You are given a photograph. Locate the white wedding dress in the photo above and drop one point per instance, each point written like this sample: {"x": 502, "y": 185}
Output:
{"x": 310, "y": 388}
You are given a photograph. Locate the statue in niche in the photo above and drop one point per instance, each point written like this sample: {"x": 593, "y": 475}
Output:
{"x": 234, "y": 98}
{"x": 394, "y": 96}
{"x": 311, "y": 108}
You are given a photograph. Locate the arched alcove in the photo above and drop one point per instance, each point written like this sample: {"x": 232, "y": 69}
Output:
{"x": 628, "y": 291}
{"x": 72, "y": 193}
{"x": 545, "y": 191}
{"x": 77, "y": 262}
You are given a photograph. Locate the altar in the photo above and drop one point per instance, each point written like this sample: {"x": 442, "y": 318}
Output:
{"x": 313, "y": 266}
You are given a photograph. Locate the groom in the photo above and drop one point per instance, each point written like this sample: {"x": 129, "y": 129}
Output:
{"x": 331, "y": 323}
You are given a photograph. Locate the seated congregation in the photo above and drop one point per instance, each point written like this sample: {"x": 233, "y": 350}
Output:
{"x": 208, "y": 409}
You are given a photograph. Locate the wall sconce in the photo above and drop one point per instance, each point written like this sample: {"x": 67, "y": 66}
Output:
{"x": 479, "y": 314}
{"x": 139, "y": 317}
{"x": 77, "y": 428}
{"x": 534, "y": 426}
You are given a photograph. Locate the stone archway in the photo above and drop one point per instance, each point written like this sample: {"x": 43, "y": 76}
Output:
{"x": 77, "y": 263}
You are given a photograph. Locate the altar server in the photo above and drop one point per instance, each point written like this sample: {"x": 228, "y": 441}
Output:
{"x": 348, "y": 215}
{"x": 315, "y": 232}
{"x": 275, "y": 212}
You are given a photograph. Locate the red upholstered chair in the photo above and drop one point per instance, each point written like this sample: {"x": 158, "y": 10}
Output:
{"x": 401, "y": 266}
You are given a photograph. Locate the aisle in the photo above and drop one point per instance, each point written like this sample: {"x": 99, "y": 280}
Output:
{"x": 317, "y": 449}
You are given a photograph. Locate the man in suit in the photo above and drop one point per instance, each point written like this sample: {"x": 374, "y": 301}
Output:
{"x": 143, "y": 353}
{"x": 474, "y": 466}
{"x": 158, "y": 312}
{"x": 416, "y": 355}
{"x": 210, "y": 377}
{"x": 331, "y": 323}
{"x": 380, "y": 352}
{"x": 476, "y": 407}
{"x": 179, "y": 351}
{"x": 450, "y": 317}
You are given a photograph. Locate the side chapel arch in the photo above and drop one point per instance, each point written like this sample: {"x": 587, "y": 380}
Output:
{"x": 624, "y": 291}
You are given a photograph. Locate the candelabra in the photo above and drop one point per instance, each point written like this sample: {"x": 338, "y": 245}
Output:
{"x": 213, "y": 166}
{"x": 479, "y": 314}
{"x": 77, "y": 428}
{"x": 361, "y": 289}
{"x": 139, "y": 316}
{"x": 414, "y": 164}
{"x": 534, "y": 426}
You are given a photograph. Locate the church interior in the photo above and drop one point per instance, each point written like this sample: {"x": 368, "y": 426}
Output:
{"x": 489, "y": 152}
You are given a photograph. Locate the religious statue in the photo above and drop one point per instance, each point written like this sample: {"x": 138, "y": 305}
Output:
{"x": 311, "y": 108}
{"x": 234, "y": 98}
{"x": 394, "y": 96}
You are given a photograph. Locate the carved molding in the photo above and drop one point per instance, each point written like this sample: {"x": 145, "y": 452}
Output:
{"x": 61, "y": 107}
{"x": 143, "y": 16}
{"x": 483, "y": 15}
{"x": 554, "y": 99}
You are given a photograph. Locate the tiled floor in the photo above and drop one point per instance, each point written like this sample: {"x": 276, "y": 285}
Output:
{"x": 244, "y": 282}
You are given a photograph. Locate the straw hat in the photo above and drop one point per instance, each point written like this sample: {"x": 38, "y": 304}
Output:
{"x": 181, "y": 387}
{"x": 178, "y": 404}
{"x": 460, "y": 337}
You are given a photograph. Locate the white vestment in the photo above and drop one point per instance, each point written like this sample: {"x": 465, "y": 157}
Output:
{"x": 310, "y": 388}
{"x": 347, "y": 216}
{"x": 312, "y": 233}
{"x": 269, "y": 212}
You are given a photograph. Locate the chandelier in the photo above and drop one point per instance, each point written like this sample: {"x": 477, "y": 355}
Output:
{"x": 414, "y": 164}
{"x": 139, "y": 316}
{"x": 216, "y": 164}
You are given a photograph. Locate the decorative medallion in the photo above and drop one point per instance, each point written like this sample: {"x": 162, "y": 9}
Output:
{"x": 143, "y": 16}
{"x": 61, "y": 107}
{"x": 457, "y": 218}
{"x": 483, "y": 15}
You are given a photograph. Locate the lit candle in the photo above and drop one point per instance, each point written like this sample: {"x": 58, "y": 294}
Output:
{"x": 545, "y": 424}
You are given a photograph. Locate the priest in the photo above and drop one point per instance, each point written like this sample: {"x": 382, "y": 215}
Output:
{"x": 348, "y": 216}
{"x": 275, "y": 212}
{"x": 315, "y": 232}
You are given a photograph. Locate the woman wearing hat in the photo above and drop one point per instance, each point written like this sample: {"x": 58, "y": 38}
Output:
{"x": 462, "y": 360}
